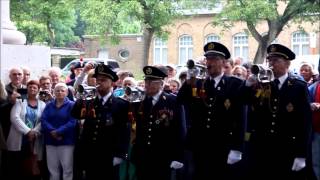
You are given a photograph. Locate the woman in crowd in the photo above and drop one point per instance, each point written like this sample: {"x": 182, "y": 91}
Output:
{"x": 240, "y": 72}
{"x": 24, "y": 139}
{"x": 174, "y": 85}
{"x": 307, "y": 72}
{"x": 59, "y": 133}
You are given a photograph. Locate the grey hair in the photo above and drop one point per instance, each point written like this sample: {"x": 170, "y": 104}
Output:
{"x": 59, "y": 85}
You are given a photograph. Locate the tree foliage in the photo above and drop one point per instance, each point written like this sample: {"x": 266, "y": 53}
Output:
{"x": 110, "y": 18}
{"x": 253, "y": 12}
{"x": 45, "y": 21}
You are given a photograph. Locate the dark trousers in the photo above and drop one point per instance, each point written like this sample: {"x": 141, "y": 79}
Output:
{"x": 97, "y": 163}
{"x": 12, "y": 166}
{"x": 272, "y": 162}
{"x": 153, "y": 170}
{"x": 211, "y": 165}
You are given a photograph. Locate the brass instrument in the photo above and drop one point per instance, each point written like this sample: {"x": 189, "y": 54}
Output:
{"x": 196, "y": 70}
{"x": 133, "y": 94}
{"x": 263, "y": 73}
{"x": 86, "y": 92}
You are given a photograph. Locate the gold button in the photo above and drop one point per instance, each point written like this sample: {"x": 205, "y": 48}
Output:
{"x": 210, "y": 105}
{"x": 149, "y": 136}
{"x": 95, "y": 132}
{"x": 94, "y": 138}
{"x": 211, "y": 99}
{"x": 150, "y": 122}
{"x": 98, "y": 120}
{"x": 208, "y": 126}
{"x": 275, "y": 100}
{"x": 273, "y": 115}
{"x": 209, "y": 119}
{"x": 272, "y": 131}
{"x": 149, "y": 143}
{"x": 151, "y": 116}
{"x": 273, "y": 123}
{"x": 97, "y": 126}
{"x": 209, "y": 112}
{"x": 274, "y": 107}
{"x": 149, "y": 129}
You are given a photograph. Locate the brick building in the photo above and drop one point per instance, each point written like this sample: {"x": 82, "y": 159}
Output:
{"x": 187, "y": 37}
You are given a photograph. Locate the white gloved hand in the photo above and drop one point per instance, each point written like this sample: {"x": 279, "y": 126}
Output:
{"x": 176, "y": 165}
{"x": 234, "y": 156}
{"x": 252, "y": 80}
{"x": 117, "y": 161}
{"x": 298, "y": 164}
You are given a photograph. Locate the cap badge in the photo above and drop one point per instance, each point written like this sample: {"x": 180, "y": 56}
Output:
{"x": 273, "y": 49}
{"x": 210, "y": 46}
{"x": 290, "y": 107}
{"x": 148, "y": 71}
{"x": 100, "y": 68}
{"x": 227, "y": 104}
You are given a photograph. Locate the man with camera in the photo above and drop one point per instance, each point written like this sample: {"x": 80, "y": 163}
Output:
{"x": 216, "y": 113}
{"x": 105, "y": 135}
{"x": 279, "y": 120}
{"x": 45, "y": 93}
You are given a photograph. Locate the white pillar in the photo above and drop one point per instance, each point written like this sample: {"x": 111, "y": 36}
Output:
{"x": 0, "y": 45}
{"x": 10, "y": 35}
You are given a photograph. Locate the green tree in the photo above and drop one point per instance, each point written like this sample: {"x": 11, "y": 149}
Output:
{"x": 41, "y": 20}
{"x": 253, "y": 12}
{"x": 112, "y": 17}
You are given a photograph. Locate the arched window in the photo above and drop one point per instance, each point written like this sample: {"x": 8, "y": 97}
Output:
{"x": 300, "y": 43}
{"x": 185, "y": 48}
{"x": 240, "y": 46}
{"x": 160, "y": 51}
{"x": 212, "y": 38}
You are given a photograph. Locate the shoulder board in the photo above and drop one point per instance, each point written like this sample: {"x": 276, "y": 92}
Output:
{"x": 297, "y": 79}
{"x": 235, "y": 78}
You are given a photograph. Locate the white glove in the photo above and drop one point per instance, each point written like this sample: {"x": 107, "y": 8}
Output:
{"x": 234, "y": 156}
{"x": 298, "y": 164}
{"x": 176, "y": 165}
{"x": 117, "y": 161}
{"x": 252, "y": 80}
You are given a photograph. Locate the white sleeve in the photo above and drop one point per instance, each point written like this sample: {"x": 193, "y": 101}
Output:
{"x": 16, "y": 120}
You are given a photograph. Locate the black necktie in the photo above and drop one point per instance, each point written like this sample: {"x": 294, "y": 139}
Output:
{"x": 277, "y": 82}
{"x": 101, "y": 101}
{"x": 148, "y": 104}
{"x": 212, "y": 84}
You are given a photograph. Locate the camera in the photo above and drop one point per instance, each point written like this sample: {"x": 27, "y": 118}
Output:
{"x": 43, "y": 93}
{"x": 23, "y": 92}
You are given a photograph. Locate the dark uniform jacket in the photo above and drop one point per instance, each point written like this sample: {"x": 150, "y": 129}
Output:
{"x": 279, "y": 126}
{"x": 216, "y": 114}
{"x": 158, "y": 137}
{"x": 105, "y": 134}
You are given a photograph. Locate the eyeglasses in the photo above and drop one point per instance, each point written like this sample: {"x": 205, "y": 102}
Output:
{"x": 16, "y": 74}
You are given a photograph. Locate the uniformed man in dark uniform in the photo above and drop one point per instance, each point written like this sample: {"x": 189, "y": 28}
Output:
{"x": 216, "y": 114}
{"x": 105, "y": 133}
{"x": 279, "y": 121}
{"x": 158, "y": 145}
